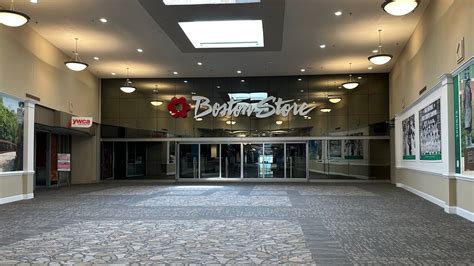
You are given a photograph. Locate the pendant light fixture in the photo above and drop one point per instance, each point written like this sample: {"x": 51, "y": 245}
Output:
{"x": 380, "y": 58}
{"x": 335, "y": 99}
{"x": 75, "y": 63}
{"x": 155, "y": 102}
{"x": 400, "y": 7}
{"x": 350, "y": 85}
{"x": 12, "y": 18}
{"x": 127, "y": 86}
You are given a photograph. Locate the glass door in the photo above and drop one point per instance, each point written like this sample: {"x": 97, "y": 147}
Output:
{"x": 296, "y": 160}
{"x": 274, "y": 160}
{"x": 210, "y": 161}
{"x": 254, "y": 166}
{"x": 231, "y": 160}
{"x": 188, "y": 160}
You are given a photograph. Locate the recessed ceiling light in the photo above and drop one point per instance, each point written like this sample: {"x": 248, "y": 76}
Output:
{"x": 34, "y": 1}
{"x": 229, "y": 122}
{"x": 322, "y": 46}
{"x": 301, "y": 90}
{"x": 338, "y": 13}
{"x": 199, "y": 119}
{"x": 113, "y": 73}
{"x": 375, "y": 51}
{"x": 359, "y": 77}
{"x": 400, "y": 7}
{"x": 185, "y": 81}
{"x": 103, "y": 20}
{"x": 224, "y": 33}
{"x": 239, "y": 72}
{"x": 370, "y": 68}
{"x": 299, "y": 99}
{"x": 242, "y": 80}
{"x": 96, "y": 58}
{"x": 279, "y": 122}
{"x": 206, "y": 2}
{"x": 193, "y": 93}
{"x": 218, "y": 86}
{"x": 199, "y": 63}
{"x": 299, "y": 79}
{"x": 302, "y": 70}
{"x": 325, "y": 110}
{"x": 140, "y": 50}
{"x": 175, "y": 73}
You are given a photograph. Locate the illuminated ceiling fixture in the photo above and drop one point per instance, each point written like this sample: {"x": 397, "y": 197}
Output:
{"x": 127, "y": 86}
{"x": 230, "y": 122}
{"x": 380, "y": 58}
{"x": 326, "y": 110}
{"x": 206, "y": 2}
{"x": 156, "y": 102}
{"x": 279, "y": 122}
{"x": 12, "y": 18}
{"x": 400, "y": 7}
{"x": 224, "y": 33}
{"x": 75, "y": 63}
{"x": 350, "y": 85}
{"x": 335, "y": 99}
{"x": 199, "y": 119}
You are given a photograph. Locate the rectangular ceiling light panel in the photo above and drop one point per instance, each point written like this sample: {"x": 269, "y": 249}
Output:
{"x": 206, "y": 2}
{"x": 224, "y": 34}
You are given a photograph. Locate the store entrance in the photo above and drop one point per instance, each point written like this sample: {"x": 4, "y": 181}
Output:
{"x": 245, "y": 161}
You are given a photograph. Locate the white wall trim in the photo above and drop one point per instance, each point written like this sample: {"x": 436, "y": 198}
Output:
{"x": 13, "y": 173}
{"x": 16, "y": 198}
{"x": 464, "y": 178}
{"x": 448, "y": 209}
{"x": 424, "y": 195}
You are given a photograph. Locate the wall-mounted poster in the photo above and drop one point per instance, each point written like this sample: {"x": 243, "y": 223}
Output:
{"x": 465, "y": 144}
{"x": 353, "y": 149}
{"x": 430, "y": 132}
{"x": 315, "y": 150}
{"x": 409, "y": 142}
{"x": 335, "y": 149}
{"x": 11, "y": 134}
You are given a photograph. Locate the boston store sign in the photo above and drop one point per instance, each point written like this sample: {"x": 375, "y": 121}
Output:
{"x": 239, "y": 106}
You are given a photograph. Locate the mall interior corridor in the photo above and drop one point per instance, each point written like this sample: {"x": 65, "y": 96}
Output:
{"x": 262, "y": 223}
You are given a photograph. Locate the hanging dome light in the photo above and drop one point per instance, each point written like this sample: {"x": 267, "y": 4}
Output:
{"x": 12, "y": 18}
{"x": 279, "y": 122}
{"x": 127, "y": 86}
{"x": 350, "y": 85}
{"x": 380, "y": 58}
{"x": 75, "y": 63}
{"x": 156, "y": 102}
{"x": 335, "y": 99}
{"x": 400, "y": 7}
{"x": 230, "y": 122}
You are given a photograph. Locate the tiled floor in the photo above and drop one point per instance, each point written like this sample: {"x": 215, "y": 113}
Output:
{"x": 232, "y": 223}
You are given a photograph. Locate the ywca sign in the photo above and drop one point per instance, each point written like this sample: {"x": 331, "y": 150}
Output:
{"x": 81, "y": 122}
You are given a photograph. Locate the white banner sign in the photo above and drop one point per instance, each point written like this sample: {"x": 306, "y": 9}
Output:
{"x": 261, "y": 109}
{"x": 81, "y": 122}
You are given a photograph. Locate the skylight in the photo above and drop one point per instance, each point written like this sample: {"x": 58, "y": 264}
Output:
{"x": 253, "y": 96}
{"x": 206, "y": 2}
{"x": 224, "y": 34}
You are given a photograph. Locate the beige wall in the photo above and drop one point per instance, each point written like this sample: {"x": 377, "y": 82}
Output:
{"x": 31, "y": 65}
{"x": 430, "y": 53}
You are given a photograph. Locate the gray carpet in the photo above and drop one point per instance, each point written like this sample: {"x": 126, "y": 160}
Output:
{"x": 150, "y": 223}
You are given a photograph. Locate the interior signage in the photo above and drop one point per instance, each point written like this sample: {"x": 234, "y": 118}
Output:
{"x": 261, "y": 109}
{"x": 64, "y": 162}
{"x": 81, "y": 122}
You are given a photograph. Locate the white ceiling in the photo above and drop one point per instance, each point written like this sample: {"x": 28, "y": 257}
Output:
{"x": 307, "y": 24}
